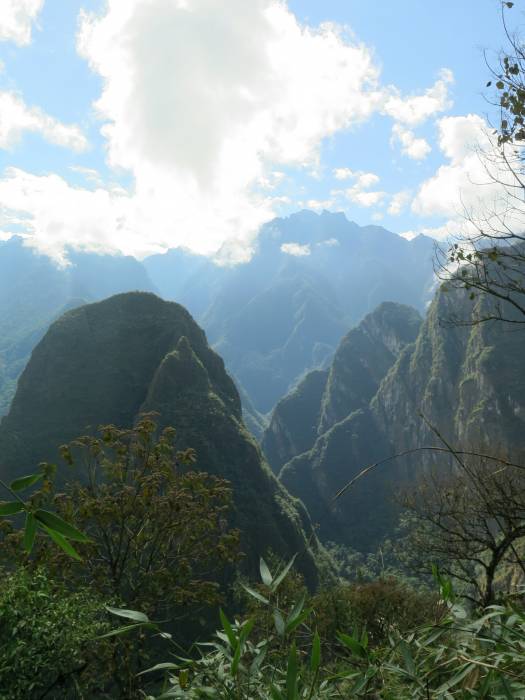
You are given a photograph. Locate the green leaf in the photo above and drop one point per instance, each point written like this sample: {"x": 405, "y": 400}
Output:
{"x": 62, "y": 542}
{"x": 276, "y": 693}
{"x": 167, "y": 666}
{"x": 266, "y": 575}
{"x": 298, "y": 608}
{"x": 228, "y": 629}
{"x": 25, "y": 481}
{"x": 245, "y": 631}
{"x": 53, "y": 521}
{"x": 407, "y": 657}
{"x": 125, "y": 629}
{"x": 277, "y": 582}
{"x": 11, "y": 508}
{"x": 279, "y": 623}
{"x": 353, "y": 644}
{"x": 315, "y": 657}
{"x": 236, "y": 660}
{"x": 256, "y": 595}
{"x": 291, "y": 674}
{"x": 128, "y": 614}
{"x": 29, "y": 532}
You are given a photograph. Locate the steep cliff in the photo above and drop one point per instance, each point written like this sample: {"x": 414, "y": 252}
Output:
{"x": 468, "y": 382}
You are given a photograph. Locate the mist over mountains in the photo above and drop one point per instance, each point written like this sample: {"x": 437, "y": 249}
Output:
{"x": 272, "y": 319}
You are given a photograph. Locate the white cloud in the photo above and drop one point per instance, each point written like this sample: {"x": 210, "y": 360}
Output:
{"x": 202, "y": 117}
{"x": 329, "y": 243}
{"x": 199, "y": 112}
{"x": 463, "y": 180}
{"x": 364, "y": 198}
{"x": 416, "y": 109}
{"x": 411, "y": 146}
{"x": 296, "y": 249}
{"x": 398, "y": 202}
{"x": 342, "y": 173}
{"x": 16, "y": 118}
{"x": 16, "y": 20}
{"x": 475, "y": 188}
{"x": 318, "y": 204}
{"x": 359, "y": 193}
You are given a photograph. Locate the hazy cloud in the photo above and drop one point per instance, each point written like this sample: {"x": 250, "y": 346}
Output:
{"x": 17, "y": 18}
{"x": 16, "y": 118}
{"x": 296, "y": 249}
{"x": 411, "y": 146}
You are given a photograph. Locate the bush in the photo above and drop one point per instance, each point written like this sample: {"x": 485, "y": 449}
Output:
{"x": 47, "y": 635}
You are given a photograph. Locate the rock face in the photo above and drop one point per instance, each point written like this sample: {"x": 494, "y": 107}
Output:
{"x": 106, "y": 363}
{"x": 312, "y": 277}
{"x": 322, "y": 399}
{"x": 469, "y": 383}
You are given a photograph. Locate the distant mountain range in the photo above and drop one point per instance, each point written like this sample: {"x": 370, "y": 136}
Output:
{"x": 311, "y": 278}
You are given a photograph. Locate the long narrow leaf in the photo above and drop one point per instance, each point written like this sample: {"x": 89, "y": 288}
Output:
{"x": 62, "y": 543}
{"x": 25, "y": 481}
{"x": 53, "y": 521}
{"x": 266, "y": 575}
{"x": 279, "y": 579}
{"x": 315, "y": 657}
{"x": 128, "y": 614}
{"x": 29, "y": 532}
{"x": 291, "y": 674}
{"x": 11, "y": 508}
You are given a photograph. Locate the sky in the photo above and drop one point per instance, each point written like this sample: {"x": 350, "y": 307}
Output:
{"x": 134, "y": 126}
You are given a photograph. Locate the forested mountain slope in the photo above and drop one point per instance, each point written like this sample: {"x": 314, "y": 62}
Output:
{"x": 454, "y": 375}
{"x": 110, "y": 361}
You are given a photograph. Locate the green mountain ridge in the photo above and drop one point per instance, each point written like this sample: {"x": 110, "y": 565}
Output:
{"x": 453, "y": 375}
{"x": 110, "y": 361}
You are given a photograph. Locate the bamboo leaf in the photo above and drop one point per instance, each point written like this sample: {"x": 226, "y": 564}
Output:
{"x": 62, "y": 543}
{"x": 10, "y": 508}
{"x": 29, "y": 532}
{"x": 54, "y": 522}
{"x": 25, "y": 481}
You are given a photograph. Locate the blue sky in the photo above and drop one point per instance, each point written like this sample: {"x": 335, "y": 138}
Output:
{"x": 140, "y": 125}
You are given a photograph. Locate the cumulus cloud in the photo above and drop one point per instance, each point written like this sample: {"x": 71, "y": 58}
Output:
{"x": 342, "y": 173}
{"x": 360, "y": 193}
{"x": 463, "y": 180}
{"x": 416, "y": 109}
{"x": 474, "y": 188}
{"x": 296, "y": 249}
{"x": 398, "y": 202}
{"x": 17, "y": 118}
{"x": 17, "y": 18}
{"x": 204, "y": 119}
{"x": 199, "y": 112}
{"x": 411, "y": 146}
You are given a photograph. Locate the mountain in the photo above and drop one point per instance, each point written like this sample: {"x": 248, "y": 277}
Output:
{"x": 110, "y": 361}
{"x": 312, "y": 276}
{"x": 468, "y": 381}
{"x": 34, "y": 291}
{"x": 322, "y": 399}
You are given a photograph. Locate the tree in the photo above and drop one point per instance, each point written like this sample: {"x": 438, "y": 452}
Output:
{"x": 158, "y": 532}
{"x": 471, "y": 523}
{"x": 488, "y": 261}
